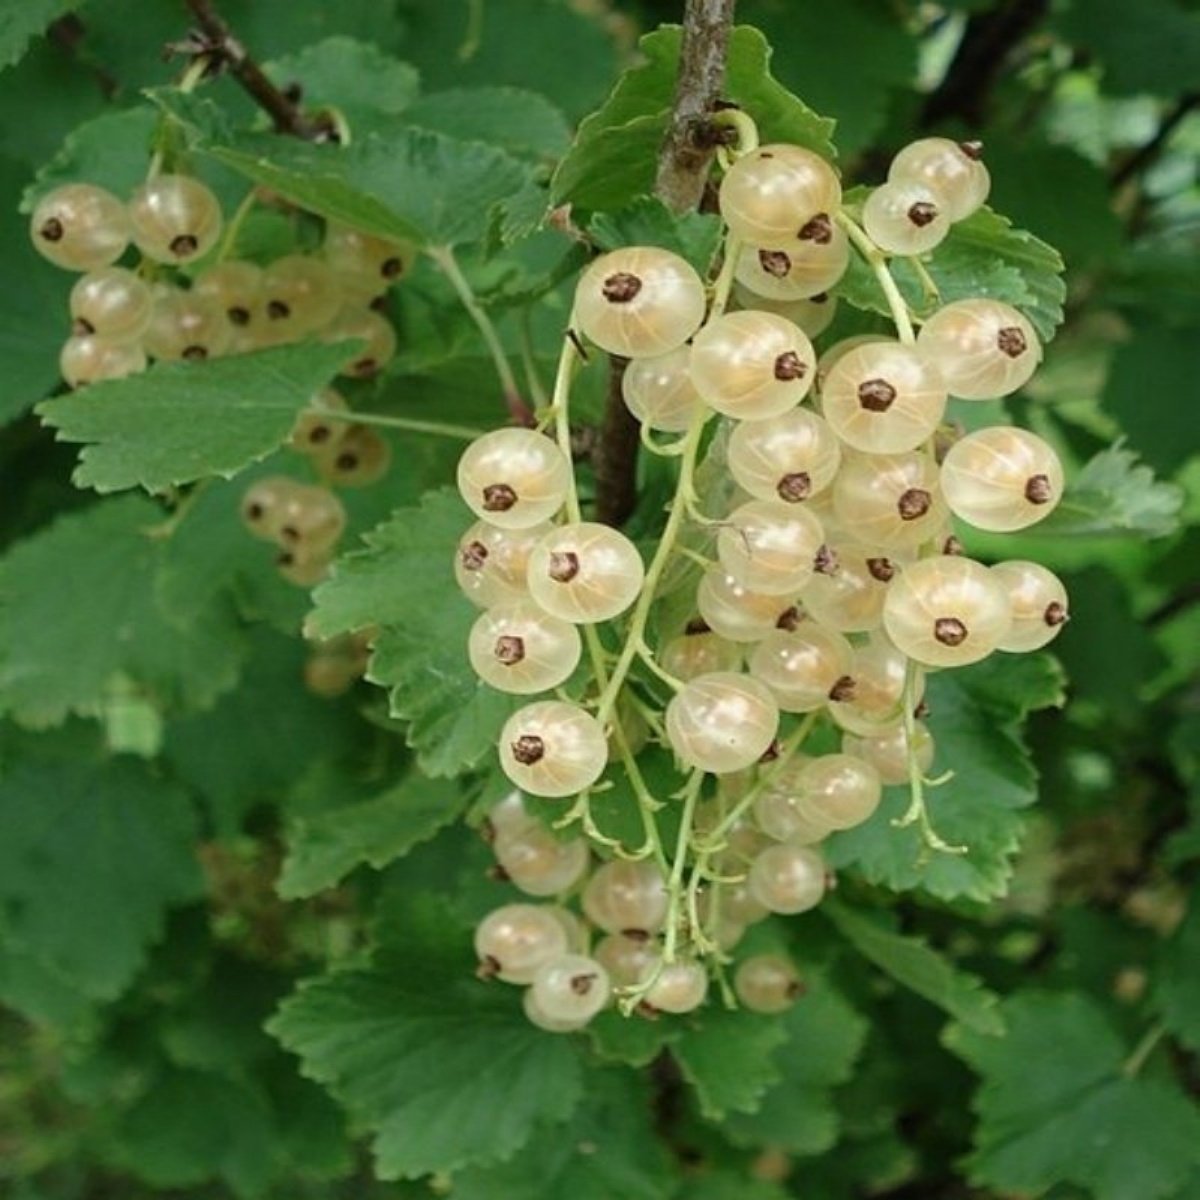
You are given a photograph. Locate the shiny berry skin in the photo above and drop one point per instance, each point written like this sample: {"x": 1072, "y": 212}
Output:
{"x": 804, "y": 668}
{"x": 519, "y": 649}
{"x": 879, "y": 675}
{"x": 512, "y": 942}
{"x": 490, "y": 563}
{"x": 111, "y": 302}
{"x": 356, "y": 255}
{"x": 813, "y": 315}
{"x": 359, "y": 458}
{"x": 789, "y": 458}
{"x": 951, "y": 169}
{"x": 905, "y": 217}
{"x": 752, "y": 365}
{"x": 639, "y": 302}
{"x": 361, "y": 324}
{"x": 788, "y": 879}
{"x": 883, "y": 398}
{"x": 80, "y": 227}
{"x": 947, "y": 611}
{"x": 263, "y": 505}
{"x": 536, "y": 1017}
{"x": 1002, "y": 479}
{"x": 585, "y": 573}
{"x": 236, "y": 286}
{"x": 626, "y": 897}
{"x": 85, "y": 360}
{"x": 892, "y": 501}
{"x": 778, "y": 193}
{"x": 299, "y": 295}
{"x": 848, "y": 596}
{"x": 513, "y": 478}
{"x": 311, "y": 519}
{"x": 538, "y": 863}
{"x": 693, "y": 654}
{"x": 314, "y": 432}
{"x": 679, "y": 987}
{"x": 186, "y": 326}
{"x": 571, "y": 988}
{"x": 780, "y": 813}
{"x": 838, "y": 790}
{"x": 797, "y": 270}
{"x": 626, "y": 959}
{"x": 767, "y": 983}
{"x": 1039, "y": 605}
{"x": 659, "y": 391}
{"x": 722, "y": 722}
{"x": 553, "y": 749}
{"x": 888, "y": 752}
{"x": 983, "y": 349}
{"x": 736, "y": 613}
{"x": 769, "y": 546}
{"x": 175, "y": 219}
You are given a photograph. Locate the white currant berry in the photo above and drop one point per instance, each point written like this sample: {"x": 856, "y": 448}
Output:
{"x": 520, "y": 649}
{"x": 353, "y": 323}
{"x": 905, "y": 217}
{"x": 888, "y": 752}
{"x": 879, "y": 672}
{"x": 552, "y": 748}
{"x": 626, "y": 959}
{"x": 356, "y": 255}
{"x": 838, "y": 790}
{"x": 512, "y": 942}
{"x": 585, "y": 572}
{"x": 835, "y": 353}
{"x": 85, "y": 360}
{"x": 186, "y": 326}
{"x": 732, "y": 901}
{"x": 947, "y": 611}
{"x": 767, "y": 983}
{"x": 508, "y": 817}
{"x": 311, "y": 519}
{"x": 299, "y": 294}
{"x": 538, "y": 863}
{"x": 678, "y": 987}
{"x": 788, "y": 878}
{"x": 236, "y": 287}
{"x": 799, "y": 269}
{"x": 804, "y": 668}
{"x": 722, "y": 722}
{"x": 659, "y": 391}
{"x": 699, "y": 652}
{"x": 779, "y": 193}
{"x": 574, "y": 928}
{"x": 954, "y": 170}
{"x": 639, "y": 302}
{"x": 302, "y": 569}
{"x": 983, "y": 349}
{"x": 314, "y": 432}
{"x": 571, "y": 988}
{"x": 490, "y": 563}
{"x": 175, "y": 218}
{"x": 513, "y": 478}
{"x": 80, "y": 227}
{"x": 264, "y": 503}
{"x": 883, "y": 398}
{"x": 1002, "y": 479}
{"x": 848, "y": 596}
{"x": 752, "y": 365}
{"x": 626, "y": 897}
{"x": 791, "y": 458}
{"x": 111, "y": 302}
{"x": 813, "y": 315}
{"x": 359, "y": 458}
{"x": 535, "y": 1016}
{"x": 1038, "y": 601}
{"x": 770, "y": 547}
{"x": 736, "y": 613}
{"x": 780, "y": 813}
{"x": 892, "y": 501}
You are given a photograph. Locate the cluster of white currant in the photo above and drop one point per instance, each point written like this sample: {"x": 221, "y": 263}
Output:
{"x": 837, "y": 580}
{"x": 210, "y": 305}
{"x": 575, "y": 964}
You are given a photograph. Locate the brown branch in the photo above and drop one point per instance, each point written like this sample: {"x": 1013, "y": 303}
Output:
{"x": 615, "y": 457}
{"x": 220, "y": 44}
{"x": 1145, "y": 155}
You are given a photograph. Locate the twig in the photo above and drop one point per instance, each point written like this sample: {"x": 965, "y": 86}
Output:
{"x": 1141, "y": 158}
{"x": 615, "y": 457}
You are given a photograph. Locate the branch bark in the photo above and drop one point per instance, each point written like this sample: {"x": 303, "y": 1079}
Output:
{"x": 683, "y": 164}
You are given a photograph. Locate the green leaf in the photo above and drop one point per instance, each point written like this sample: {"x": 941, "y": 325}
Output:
{"x": 824, "y": 1037}
{"x": 914, "y": 964}
{"x": 444, "y": 1070}
{"x": 1056, "y": 1107}
{"x": 614, "y": 156}
{"x": 325, "y": 847}
{"x": 729, "y": 1057}
{"x": 975, "y": 718}
{"x": 981, "y": 256}
{"x": 648, "y": 222}
{"x": 1114, "y": 495}
{"x": 635, "y": 1041}
{"x": 23, "y": 20}
{"x": 1177, "y": 980}
{"x": 65, "y": 646}
{"x": 522, "y": 122}
{"x": 608, "y": 1149}
{"x": 184, "y": 421}
{"x": 93, "y": 851}
{"x": 404, "y": 581}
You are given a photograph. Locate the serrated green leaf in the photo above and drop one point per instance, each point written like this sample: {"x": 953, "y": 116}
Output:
{"x": 519, "y": 121}
{"x": 324, "y": 847}
{"x": 649, "y": 222}
{"x": 1114, "y": 495}
{"x": 183, "y": 421}
{"x": 444, "y": 1070}
{"x": 53, "y": 661}
{"x": 404, "y": 581}
{"x": 975, "y": 718}
{"x": 635, "y": 1041}
{"x": 23, "y": 20}
{"x": 914, "y": 964}
{"x": 613, "y": 158}
{"x": 93, "y": 851}
{"x": 1055, "y": 1106}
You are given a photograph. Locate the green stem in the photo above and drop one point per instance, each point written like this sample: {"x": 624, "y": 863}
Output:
{"x": 877, "y": 261}
{"x": 675, "y": 882}
{"x": 928, "y": 286}
{"x": 229, "y": 241}
{"x": 461, "y": 433}
{"x": 1142, "y": 1051}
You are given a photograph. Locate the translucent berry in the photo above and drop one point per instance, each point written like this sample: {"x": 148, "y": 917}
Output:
{"x": 796, "y": 270}
{"x": 80, "y": 227}
{"x": 626, "y": 897}
{"x": 788, "y": 878}
{"x": 538, "y": 863}
{"x": 780, "y": 812}
{"x": 380, "y": 263}
{"x": 883, "y": 398}
{"x": 520, "y": 649}
{"x": 838, "y": 790}
{"x": 752, "y": 365}
{"x": 551, "y": 748}
{"x": 953, "y": 170}
{"x": 736, "y": 613}
{"x": 301, "y": 569}
{"x": 571, "y": 988}
{"x": 513, "y": 478}
{"x": 85, "y": 360}
{"x": 585, "y": 572}
{"x": 659, "y": 391}
{"x": 111, "y": 302}
{"x": 236, "y": 287}
{"x": 264, "y": 503}
{"x": 639, "y": 302}
{"x": 315, "y": 432}
{"x": 678, "y": 987}
{"x": 514, "y": 941}
{"x": 983, "y": 349}
{"x": 535, "y": 1016}
{"x": 905, "y": 217}
{"x": 1002, "y": 479}
{"x": 364, "y": 325}
{"x": 699, "y": 653}
{"x": 891, "y": 501}
{"x": 767, "y": 983}
{"x": 1038, "y": 601}
{"x": 813, "y": 315}
{"x": 508, "y": 817}
{"x": 769, "y": 546}
{"x": 804, "y": 668}
{"x": 574, "y": 928}
{"x": 311, "y": 519}
{"x": 490, "y": 563}
{"x": 791, "y": 458}
{"x": 175, "y": 219}
{"x": 722, "y": 722}
{"x": 780, "y": 193}
{"x": 848, "y": 596}
{"x": 359, "y": 458}
{"x": 186, "y": 326}
{"x": 888, "y": 752}
{"x": 947, "y": 611}
{"x": 626, "y": 959}
{"x": 879, "y": 674}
